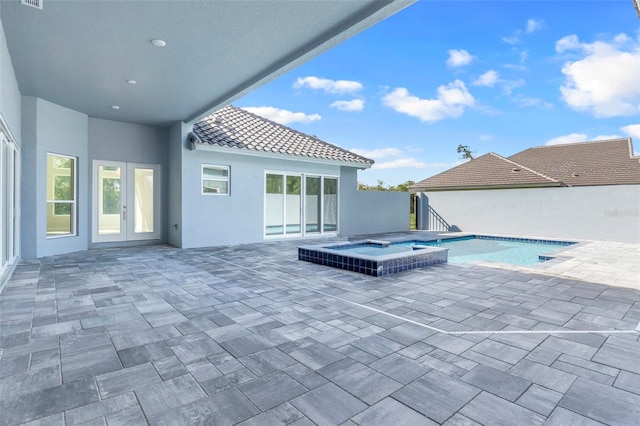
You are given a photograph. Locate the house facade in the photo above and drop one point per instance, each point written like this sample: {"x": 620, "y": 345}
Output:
{"x": 587, "y": 191}
{"x": 97, "y": 102}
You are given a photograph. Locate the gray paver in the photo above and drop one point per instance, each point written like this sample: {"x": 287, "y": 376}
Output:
{"x": 489, "y": 409}
{"x": 391, "y": 412}
{"x": 360, "y": 380}
{"x": 328, "y": 405}
{"x": 495, "y": 381}
{"x": 436, "y": 395}
{"x": 271, "y": 390}
{"x": 176, "y": 336}
{"x": 610, "y": 406}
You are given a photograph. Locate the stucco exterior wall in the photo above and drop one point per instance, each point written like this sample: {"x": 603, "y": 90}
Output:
{"x": 610, "y": 213}
{"x": 238, "y": 218}
{"x": 373, "y": 212}
{"x": 50, "y": 128}
{"x": 10, "y": 99}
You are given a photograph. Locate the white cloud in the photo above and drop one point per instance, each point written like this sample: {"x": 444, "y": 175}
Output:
{"x": 391, "y": 158}
{"x": 450, "y": 103}
{"x": 514, "y": 39}
{"x": 378, "y": 153}
{"x": 353, "y": 105}
{"x": 632, "y": 130}
{"x": 459, "y": 58}
{"x": 571, "y": 138}
{"x": 488, "y": 79}
{"x": 283, "y": 116}
{"x": 509, "y": 85}
{"x": 605, "y": 137}
{"x": 337, "y": 87}
{"x": 533, "y": 25}
{"x": 400, "y": 163}
{"x": 605, "y": 81}
{"x": 525, "y": 101}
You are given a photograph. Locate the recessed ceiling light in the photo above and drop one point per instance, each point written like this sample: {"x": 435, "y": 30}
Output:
{"x": 158, "y": 42}
{"x": 115, "y": 107}
{"x": 131, "y": 81}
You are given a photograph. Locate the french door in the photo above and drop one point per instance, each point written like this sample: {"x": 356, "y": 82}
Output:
{"x": 126, "y": 201}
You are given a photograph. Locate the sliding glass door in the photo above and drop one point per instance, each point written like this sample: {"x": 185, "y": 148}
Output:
{"x": 289, "y": 213}
{"x": 9, "y": 203}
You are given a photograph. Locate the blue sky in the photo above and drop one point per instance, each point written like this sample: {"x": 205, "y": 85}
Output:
{"x": 498, "y": 76}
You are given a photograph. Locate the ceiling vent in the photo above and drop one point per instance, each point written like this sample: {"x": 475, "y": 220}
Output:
{"x": 33, "y": 3}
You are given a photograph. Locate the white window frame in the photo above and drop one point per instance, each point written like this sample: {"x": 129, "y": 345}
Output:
{"x": 303, "y": 190}
{"x": 9, "y": 200}
{"x": 73, "y": 203}
{"x": 227, "y": 180}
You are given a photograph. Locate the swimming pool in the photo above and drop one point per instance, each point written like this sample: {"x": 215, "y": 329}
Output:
{"x": 514, "y": 251}
{"x": 378, "y": 258}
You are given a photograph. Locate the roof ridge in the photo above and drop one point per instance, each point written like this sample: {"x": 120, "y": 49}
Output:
{"x": 306, "y": 136}
{"x": 527, "y": 168}
{"x": 578, "y": 143}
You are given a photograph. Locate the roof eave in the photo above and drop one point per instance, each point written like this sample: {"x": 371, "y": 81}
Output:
{"x": 417, "y": 188}
{"x": 289, "y": 157}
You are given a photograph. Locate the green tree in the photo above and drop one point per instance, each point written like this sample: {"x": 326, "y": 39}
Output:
{"x": 465, "y": 152}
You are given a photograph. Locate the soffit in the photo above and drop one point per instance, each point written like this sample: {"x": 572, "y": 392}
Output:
{"x": 81, "y": 54}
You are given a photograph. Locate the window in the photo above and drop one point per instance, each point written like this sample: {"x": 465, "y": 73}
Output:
{"x": 61, "y": 195}
{"x": 299, "y": 204}
{"x": 215, "y": 180}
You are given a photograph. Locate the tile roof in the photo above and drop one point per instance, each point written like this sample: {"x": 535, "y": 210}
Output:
{"x": 236, "y": 128}
{"x": 487, "y": 171}
{"x": 608, "y": 162}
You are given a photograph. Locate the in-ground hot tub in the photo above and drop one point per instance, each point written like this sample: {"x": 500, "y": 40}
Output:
{"x": 374, "y": 257}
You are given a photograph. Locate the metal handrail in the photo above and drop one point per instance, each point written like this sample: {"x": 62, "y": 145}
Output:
{"x": 437, "y": 222}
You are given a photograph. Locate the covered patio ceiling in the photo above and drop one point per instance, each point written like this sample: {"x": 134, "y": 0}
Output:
{"x": 82, "y": 55}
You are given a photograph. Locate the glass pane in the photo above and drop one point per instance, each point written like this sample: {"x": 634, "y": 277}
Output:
{"x": 293, "y": 205}
{"x": 312, "y": 204}
{"x": 60, "y": 195}
{"x": 5, "y": 214}
{"x": 215, "y": 187}
{"x": 330, "y": 205}
{"x": 59, "y": 224}
{"x": 143, "y": 201}
{"x": 215, "y": 172}
{"x": 274, "y": 209}
{"x": 109, "y": 200}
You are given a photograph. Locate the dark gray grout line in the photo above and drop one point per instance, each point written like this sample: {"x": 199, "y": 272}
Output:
{"x": 637, "y": 330}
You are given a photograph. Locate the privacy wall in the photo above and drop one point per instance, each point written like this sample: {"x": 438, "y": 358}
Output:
{"x": 610, "y": 213}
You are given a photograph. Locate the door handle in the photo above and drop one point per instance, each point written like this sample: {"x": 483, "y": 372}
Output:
{"x": 124, "y": 212}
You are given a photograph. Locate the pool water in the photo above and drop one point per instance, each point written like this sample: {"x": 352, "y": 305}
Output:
{"x": 465, "y": 250}
{"x": 469, "y": 249}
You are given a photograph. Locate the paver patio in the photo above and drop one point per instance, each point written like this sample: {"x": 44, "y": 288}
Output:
{"x": 250, "y": 335}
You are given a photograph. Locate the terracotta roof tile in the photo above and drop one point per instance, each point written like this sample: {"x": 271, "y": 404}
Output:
{"x": 237, "y": 128}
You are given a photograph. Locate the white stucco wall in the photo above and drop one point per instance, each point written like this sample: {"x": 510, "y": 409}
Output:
{"x": 610, "y": 213}
{"x": 238, "y": 218}
{"x": 375, "y": 212}
{"x": 10, "y": 99}
{"x": 50, "y": 128}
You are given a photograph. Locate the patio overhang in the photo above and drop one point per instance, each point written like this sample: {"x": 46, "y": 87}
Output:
{"x": 84, "y": 55}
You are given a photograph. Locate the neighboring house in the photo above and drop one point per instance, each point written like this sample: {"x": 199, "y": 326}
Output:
{"x": 587, "y": 190}
{"x": 97, "y": 101}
